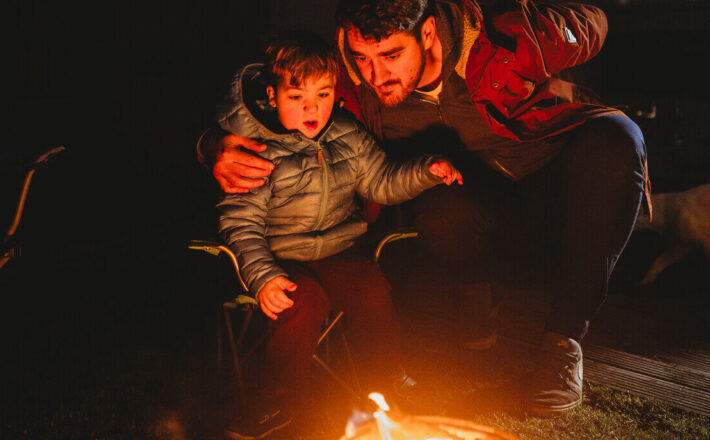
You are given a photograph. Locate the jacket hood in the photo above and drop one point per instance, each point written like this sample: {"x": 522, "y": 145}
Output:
{"x": 245, "y": 110}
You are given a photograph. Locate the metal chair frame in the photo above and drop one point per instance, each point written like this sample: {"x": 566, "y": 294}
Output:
{"x": 249, "y": 304}
{"x": 8, "y": 250}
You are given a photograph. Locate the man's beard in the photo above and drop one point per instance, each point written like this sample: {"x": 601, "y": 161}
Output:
{"x": 394, "y": 99}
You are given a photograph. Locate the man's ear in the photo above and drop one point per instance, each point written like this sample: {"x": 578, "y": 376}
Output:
{"x": 428, "y": 32}
{"x": 271, "y": 93}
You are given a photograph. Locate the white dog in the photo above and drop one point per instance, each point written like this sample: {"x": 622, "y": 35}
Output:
{"x": 683, "y": 220}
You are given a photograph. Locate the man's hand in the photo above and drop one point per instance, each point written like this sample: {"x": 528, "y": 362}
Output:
{"x": 237, "y": 170}
{"x": 272, "y": 298}
{"x": 446, "y": 171}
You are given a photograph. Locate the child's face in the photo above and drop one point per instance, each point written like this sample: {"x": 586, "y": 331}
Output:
{"x": 305, "y": 107}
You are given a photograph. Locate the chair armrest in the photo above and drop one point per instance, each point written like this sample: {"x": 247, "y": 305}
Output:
{"x": 214, "y": 248}
{"x": 398, "y": 234}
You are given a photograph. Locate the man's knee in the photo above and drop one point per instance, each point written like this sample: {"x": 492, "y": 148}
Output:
{"x": 612, "y": 147}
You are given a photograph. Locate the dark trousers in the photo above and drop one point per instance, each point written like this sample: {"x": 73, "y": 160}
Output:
{"x": 562, "y": 227}
{"x": 347, "y": 282}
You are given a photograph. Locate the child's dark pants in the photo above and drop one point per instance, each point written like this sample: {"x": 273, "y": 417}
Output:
{"x": 347, "y": 282}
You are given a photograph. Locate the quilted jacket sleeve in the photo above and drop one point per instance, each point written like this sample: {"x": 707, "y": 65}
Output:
{"x": 553, "y": 36}
{"x": 242, "y": 227}
{"x": 388, "y": 182}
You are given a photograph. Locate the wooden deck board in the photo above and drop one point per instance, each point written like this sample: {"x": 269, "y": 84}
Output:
{"x": 641, "y": 384}
{"x": 679, "y": 377}
{"x": 633, "y": 348}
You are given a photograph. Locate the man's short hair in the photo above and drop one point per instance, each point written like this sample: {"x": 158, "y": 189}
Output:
{"x": 297, "y": 56}
{"x": 381, "y": 18}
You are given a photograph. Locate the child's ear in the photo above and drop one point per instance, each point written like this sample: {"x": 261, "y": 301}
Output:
{"x": 271, "y": 93}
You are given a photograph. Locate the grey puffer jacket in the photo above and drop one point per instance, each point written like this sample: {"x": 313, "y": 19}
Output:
{"x": 306, "y": 210}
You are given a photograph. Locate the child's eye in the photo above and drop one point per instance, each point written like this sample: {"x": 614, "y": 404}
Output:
{"x": 324, "y": 94}
{"x": 294, "y": 97}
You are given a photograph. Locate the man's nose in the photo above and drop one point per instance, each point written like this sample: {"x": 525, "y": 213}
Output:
{"x": 379, "y": 74}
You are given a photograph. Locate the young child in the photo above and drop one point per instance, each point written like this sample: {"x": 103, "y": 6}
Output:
{"x": 294, "y": 235}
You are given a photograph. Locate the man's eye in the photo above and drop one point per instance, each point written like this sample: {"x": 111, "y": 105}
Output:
{"x": 359, "y": 59}
{"x": 392, "y": 57}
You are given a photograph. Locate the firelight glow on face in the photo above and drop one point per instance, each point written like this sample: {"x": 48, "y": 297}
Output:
{"x": 392, "y": 66}
{"x": 304, "y": 107}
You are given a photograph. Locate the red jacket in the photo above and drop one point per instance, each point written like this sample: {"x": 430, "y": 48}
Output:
{"x": 511, "y": 65}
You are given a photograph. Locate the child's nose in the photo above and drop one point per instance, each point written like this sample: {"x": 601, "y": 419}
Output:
{"x": 310, "y": 106}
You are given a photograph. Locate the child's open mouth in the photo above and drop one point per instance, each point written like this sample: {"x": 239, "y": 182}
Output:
{"x": 311, "y": 125}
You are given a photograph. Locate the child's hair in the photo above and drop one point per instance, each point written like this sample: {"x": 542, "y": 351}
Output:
{"x": 299, "y": 55}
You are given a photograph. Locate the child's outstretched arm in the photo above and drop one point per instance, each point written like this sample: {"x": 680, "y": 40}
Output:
{"x": 390, "y": 182}
{"x": 272, "y": 297}
{"x": 446, "y": 171}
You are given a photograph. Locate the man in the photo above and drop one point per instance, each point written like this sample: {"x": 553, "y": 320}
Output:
{"x": 551, "y": 174}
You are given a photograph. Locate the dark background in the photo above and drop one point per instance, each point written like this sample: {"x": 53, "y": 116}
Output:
{"x": 128, "y": 87}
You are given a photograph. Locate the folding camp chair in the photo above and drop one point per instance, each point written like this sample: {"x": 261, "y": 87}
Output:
{"x": 9, "y": 249}
{"x": 247, "y": 304}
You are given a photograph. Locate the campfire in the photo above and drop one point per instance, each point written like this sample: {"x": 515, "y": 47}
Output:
{"x": 392, "y": 424}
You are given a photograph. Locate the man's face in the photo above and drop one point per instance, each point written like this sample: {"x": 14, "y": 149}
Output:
{"x": 392, "y": 66}
{"x": 305, "y": 107}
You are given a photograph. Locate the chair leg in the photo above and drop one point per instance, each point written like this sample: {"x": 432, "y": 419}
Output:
{"x": 335, "y": 377}
{"x": 235, "y": 357}
{"x": 330, "y": 327}
{"x": 351, "y": 363}
{"x": 219, "y": 344}
{"x": 324, "y": 365}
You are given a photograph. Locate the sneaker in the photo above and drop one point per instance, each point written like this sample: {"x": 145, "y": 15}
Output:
{"x": 557, "y": 383}
{"x": 252, "y": 428}
{"x": 478, "y": 321}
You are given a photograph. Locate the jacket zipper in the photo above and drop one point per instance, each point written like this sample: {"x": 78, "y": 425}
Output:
{"x": 434, "y": 100}
{"x": 324, "y": 186}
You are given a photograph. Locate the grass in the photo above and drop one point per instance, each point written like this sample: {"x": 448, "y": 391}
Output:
{"x": 608, "y": 414}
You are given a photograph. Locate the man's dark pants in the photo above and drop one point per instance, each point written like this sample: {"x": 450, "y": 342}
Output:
{"x": 565, "y": 225}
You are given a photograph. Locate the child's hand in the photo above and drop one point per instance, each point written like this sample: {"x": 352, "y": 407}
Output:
{"x": 446, "y": 171}
{"x": 273, "y": 299}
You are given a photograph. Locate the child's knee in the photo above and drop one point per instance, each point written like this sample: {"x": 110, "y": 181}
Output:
{"x": 309, "y": 299}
